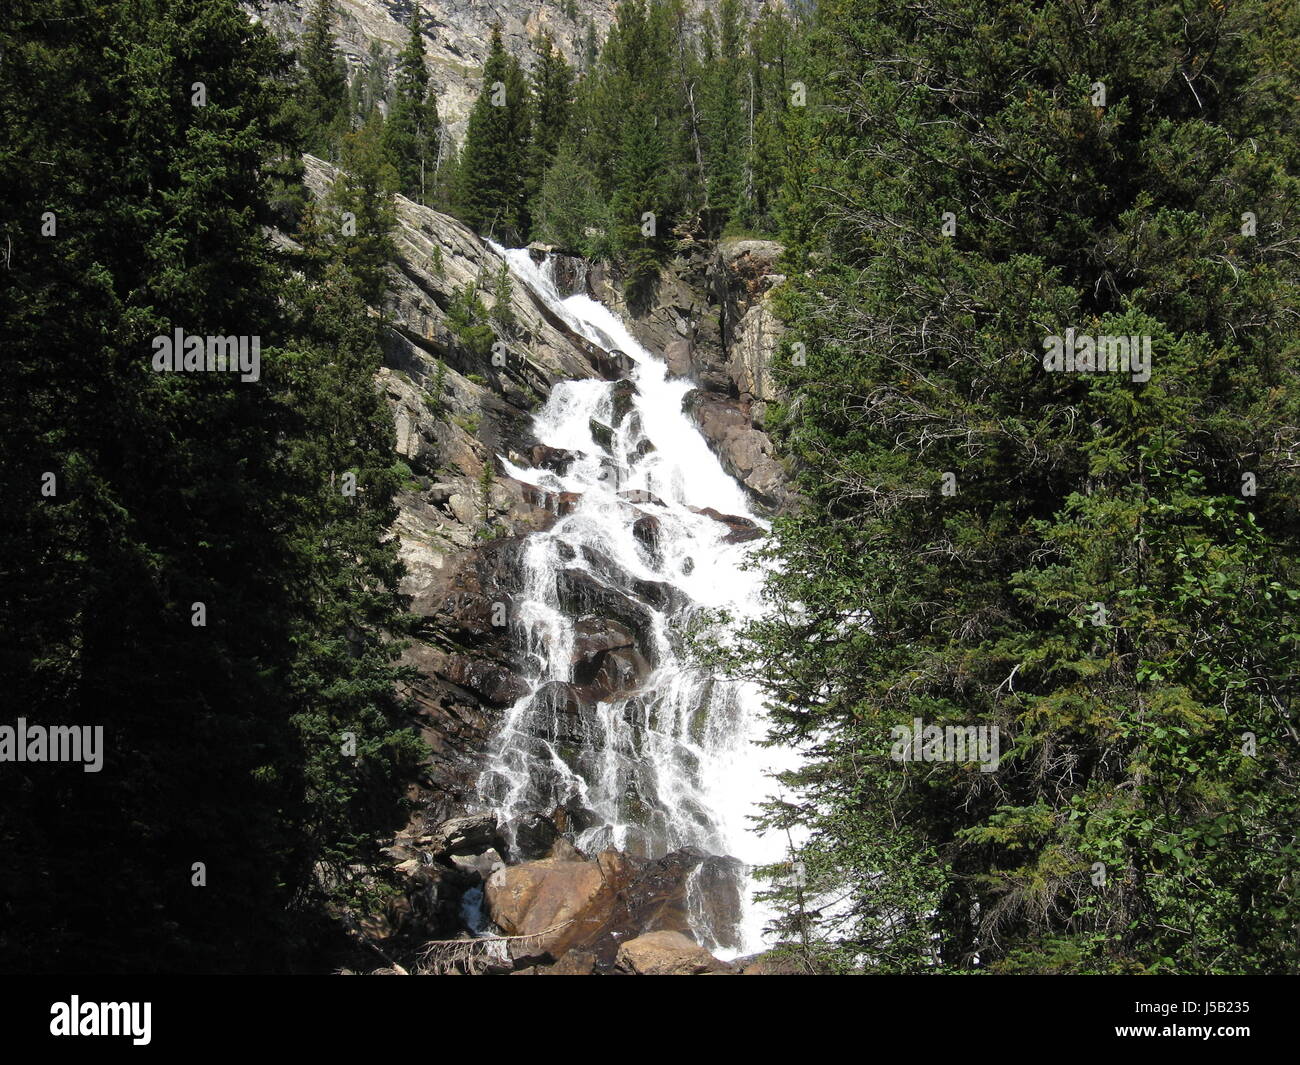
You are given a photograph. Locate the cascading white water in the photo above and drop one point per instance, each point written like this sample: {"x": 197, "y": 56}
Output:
{"x": 671, "y": 763}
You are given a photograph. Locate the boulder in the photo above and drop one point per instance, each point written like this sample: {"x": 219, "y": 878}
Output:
{"x": 559, "y": 904}
{"x": 535, "y": 835}
{"x": 601, "y": 433}
{"x": 647, "y": 530}
{"x": 742, "y": 529}
{"x": 623, "y": 393}
{"x": 473, "y": 834}
{"x": 482, "y": 865}
{"x": 666, "y": 954}
{"x": 555, "y": 459}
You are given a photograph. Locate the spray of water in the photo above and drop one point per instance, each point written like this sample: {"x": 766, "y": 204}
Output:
{"x": 672, "y": 762}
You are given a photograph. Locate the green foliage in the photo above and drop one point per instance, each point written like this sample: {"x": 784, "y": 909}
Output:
{"x": 470, "y": 324}
{"x": 568, "y": 211}
{"x": 692, "y": 127}
{"x": 360, "y": 215}
{"x": 324, "y": 87}
{"x": 1123, "y": 743}
{"x": 503, "y": 315}
{"x": 413, "y": 133}
{"x": 490, "y": 185}
{"x": 224, "y": 742}
{"x": 486, "y": 480}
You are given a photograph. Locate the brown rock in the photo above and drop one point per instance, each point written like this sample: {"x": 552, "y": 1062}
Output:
{"x": 562, "y": 903}
{"x": 666, "y": 954}
{"x": 771, "y": 963}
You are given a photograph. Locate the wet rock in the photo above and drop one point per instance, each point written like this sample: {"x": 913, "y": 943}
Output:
{"x": 611, "y": 365}
{"x": 666, "y": 954}
{"x": 555, "y": 459}
{"x": 561, "y": 705}
{"x": 640, "y": 495}
{"x": 495, "y": 683}
{"x": 592, "y": 636}
{"x": 606, "y": 662}
{"x": 647, "y": 531}
{"x": 573, "y": 818}
{"x": 535, "y": 835}
{"x": 746, "y": 453}
{"x": 570, "y": 274}
{"x": 613, "y": 674}
{"x": 659, "y": 594}
{"x": 601, "y": 433}
{"x": 581, "y": 592}
{"x": 719, "y": 893}
{"x": 557, "y": 504}
{"x": 742, "y": 529}
{"x": 623, "y": 393}
{"x": 468, "y": 608}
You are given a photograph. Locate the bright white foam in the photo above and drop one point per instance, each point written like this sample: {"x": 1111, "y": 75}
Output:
{"x": 687, "y": 747}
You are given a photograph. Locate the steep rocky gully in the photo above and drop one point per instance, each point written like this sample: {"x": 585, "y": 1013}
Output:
{"x": 523, "y": 855}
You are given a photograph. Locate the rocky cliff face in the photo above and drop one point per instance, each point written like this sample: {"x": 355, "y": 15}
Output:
{"x": 457, "y": 35}
{"x": 711, "y": 318}
{"x": 460, "y": 537}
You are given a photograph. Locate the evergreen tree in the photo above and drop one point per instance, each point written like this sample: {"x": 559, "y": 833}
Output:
{"x": 568, "y": 209}
{"x": 722, "y": 116}
{"x": 413, "y": 134}
{"x": 193, "y": 581}
{"x": 490, "y": 179}
{"x": 325, "y": 82}
{"x": 1068, "y": 557}
{"x": 552, "y": 89}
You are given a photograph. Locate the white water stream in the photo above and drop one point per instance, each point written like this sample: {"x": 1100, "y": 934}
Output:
{"x": 673, "y": 762}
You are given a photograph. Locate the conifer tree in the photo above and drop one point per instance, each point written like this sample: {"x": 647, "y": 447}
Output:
{"x": 194, "y": 581}
{"x": 413, "y": 133}
{"x": 325, "y": 82}
{"x": 552, "y": 89}
{"x": 490, "y": 179}
{"x": 1077, "y": 559}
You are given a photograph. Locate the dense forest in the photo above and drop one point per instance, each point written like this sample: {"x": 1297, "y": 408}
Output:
{"x": 1102, "y": 566}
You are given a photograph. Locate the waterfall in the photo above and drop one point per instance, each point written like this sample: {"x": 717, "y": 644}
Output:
{"x": 647, "y": 752}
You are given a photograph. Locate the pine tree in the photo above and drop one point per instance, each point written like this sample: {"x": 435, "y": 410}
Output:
{"x": 325, "y": 82}
{"x": 723, "y": 117}
{"x": 195, "y": 584}
{"x": 490, "y": 179}
{"x": 413, "y": 133}
{"x": 568, "y": 209}
{"x": 1068, "y": 557}
{"x": 552, "y": 89}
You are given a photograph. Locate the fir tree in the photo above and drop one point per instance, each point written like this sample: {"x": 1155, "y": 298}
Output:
{"x": 325, "y": 82}
{"x": 490, "y": 179}
{"x": 413, "y": 133}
